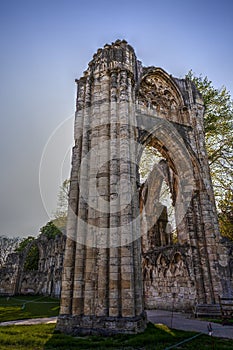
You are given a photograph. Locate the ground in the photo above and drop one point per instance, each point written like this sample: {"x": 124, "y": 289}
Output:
{"x": 158, "y": 335}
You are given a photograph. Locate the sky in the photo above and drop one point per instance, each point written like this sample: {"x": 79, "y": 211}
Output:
{"x": 47, "y": 44}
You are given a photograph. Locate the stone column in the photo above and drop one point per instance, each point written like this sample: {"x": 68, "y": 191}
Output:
{"x": 102, "y": 279}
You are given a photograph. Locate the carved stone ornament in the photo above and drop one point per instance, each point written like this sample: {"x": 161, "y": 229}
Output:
{"x": 160, "y": 95}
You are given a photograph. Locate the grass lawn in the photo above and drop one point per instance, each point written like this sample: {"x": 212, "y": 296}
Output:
{"x": 44, "y": 336}
{"x": 219, "y": 320}
{"x": 159, "y": 337}
{"x": 21, "y": 307}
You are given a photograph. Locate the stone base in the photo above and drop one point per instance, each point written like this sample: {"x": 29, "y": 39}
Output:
{"x": 101, "y": 325}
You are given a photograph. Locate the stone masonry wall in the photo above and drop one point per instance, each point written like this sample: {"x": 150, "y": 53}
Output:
{"x": 45, "y": 279}
{"x": 168, "y": 276}
{"x": 169, "y": 282}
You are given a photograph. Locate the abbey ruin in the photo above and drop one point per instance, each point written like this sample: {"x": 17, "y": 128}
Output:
{"x": 127, "y": 249}
{"x": 44, "y": 278}
{"x": 123, "y": 107}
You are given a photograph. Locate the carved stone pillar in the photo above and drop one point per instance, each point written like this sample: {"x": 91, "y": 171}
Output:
{"x": 102, "y": 290}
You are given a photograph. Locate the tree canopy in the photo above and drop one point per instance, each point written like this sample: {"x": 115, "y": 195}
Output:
{"x": 32, "y": 259}
{"x": 23, "y": 244}
{"x": 50, "y": 230}
{"x": 60, "y": 215}
{"x": 218, "y": 124}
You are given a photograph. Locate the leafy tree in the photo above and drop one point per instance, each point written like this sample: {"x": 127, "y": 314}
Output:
{"x": 226, "y": 215}
{"x": 60, "y": 215}
{"x": 32, "y": 259}
{"x": 218, "y": 124}
{"x": 7, "y": 246}
{"x": 148, "y": 159}
{"x": 50, "y": 230}
{"x": 23, "y": 244}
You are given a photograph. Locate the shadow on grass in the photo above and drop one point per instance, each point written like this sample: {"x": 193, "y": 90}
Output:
{"x": 159, "y": 337}
{"x": 23, "y": 307}
{"x": 155, "y": 337}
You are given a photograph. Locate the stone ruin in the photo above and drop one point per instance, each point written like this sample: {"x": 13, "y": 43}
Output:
{"x": 44, "y": 278}
{"x": 124, "y": 251}
{"x": 116, "y": 225}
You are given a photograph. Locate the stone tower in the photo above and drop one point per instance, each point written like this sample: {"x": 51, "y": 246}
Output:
{"x": 121, "y": 108}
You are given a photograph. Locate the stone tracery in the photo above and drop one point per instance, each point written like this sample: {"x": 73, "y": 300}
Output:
{"x": 159, "y": 93}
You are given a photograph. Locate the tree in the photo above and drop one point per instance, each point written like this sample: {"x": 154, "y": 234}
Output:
{"x": 148, "y": 159}
{"x": 32, "y": 259}
{"x": 50, "y": 230}
{"x": 225, "y": 215}
{"x": 7, "y": 246}
{"x": 60, "y": 215}
{"x": 218, "y": 124}
{"x": 23, "y": 244}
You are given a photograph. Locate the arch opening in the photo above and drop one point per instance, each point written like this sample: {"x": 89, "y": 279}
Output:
{"x": 157, "y": 194}
{"x": 166, "y": 250}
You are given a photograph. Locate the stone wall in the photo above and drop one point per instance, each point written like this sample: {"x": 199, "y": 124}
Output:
{"x": 9, "y": 275}
{"x": 44, "y": 279}
{"x": 169, "y": 282}
{"x": 168, "y": 276}
{"x": 226, "y": 266}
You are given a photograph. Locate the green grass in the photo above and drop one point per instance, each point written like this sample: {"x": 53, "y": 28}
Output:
{"x": 22, "y": 307}
{"x": 38, "y": 337}
{"x": 219, "y": 320}
{"x": 44, "y": 336}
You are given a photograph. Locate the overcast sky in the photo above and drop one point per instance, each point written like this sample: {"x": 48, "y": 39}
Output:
{"x": 46, "y": 44}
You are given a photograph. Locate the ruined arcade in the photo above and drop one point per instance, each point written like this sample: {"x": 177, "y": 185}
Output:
{"x": 118, "y": 231}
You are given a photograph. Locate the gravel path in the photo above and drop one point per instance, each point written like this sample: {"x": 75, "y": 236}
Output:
{"x": 187, "y": 322}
